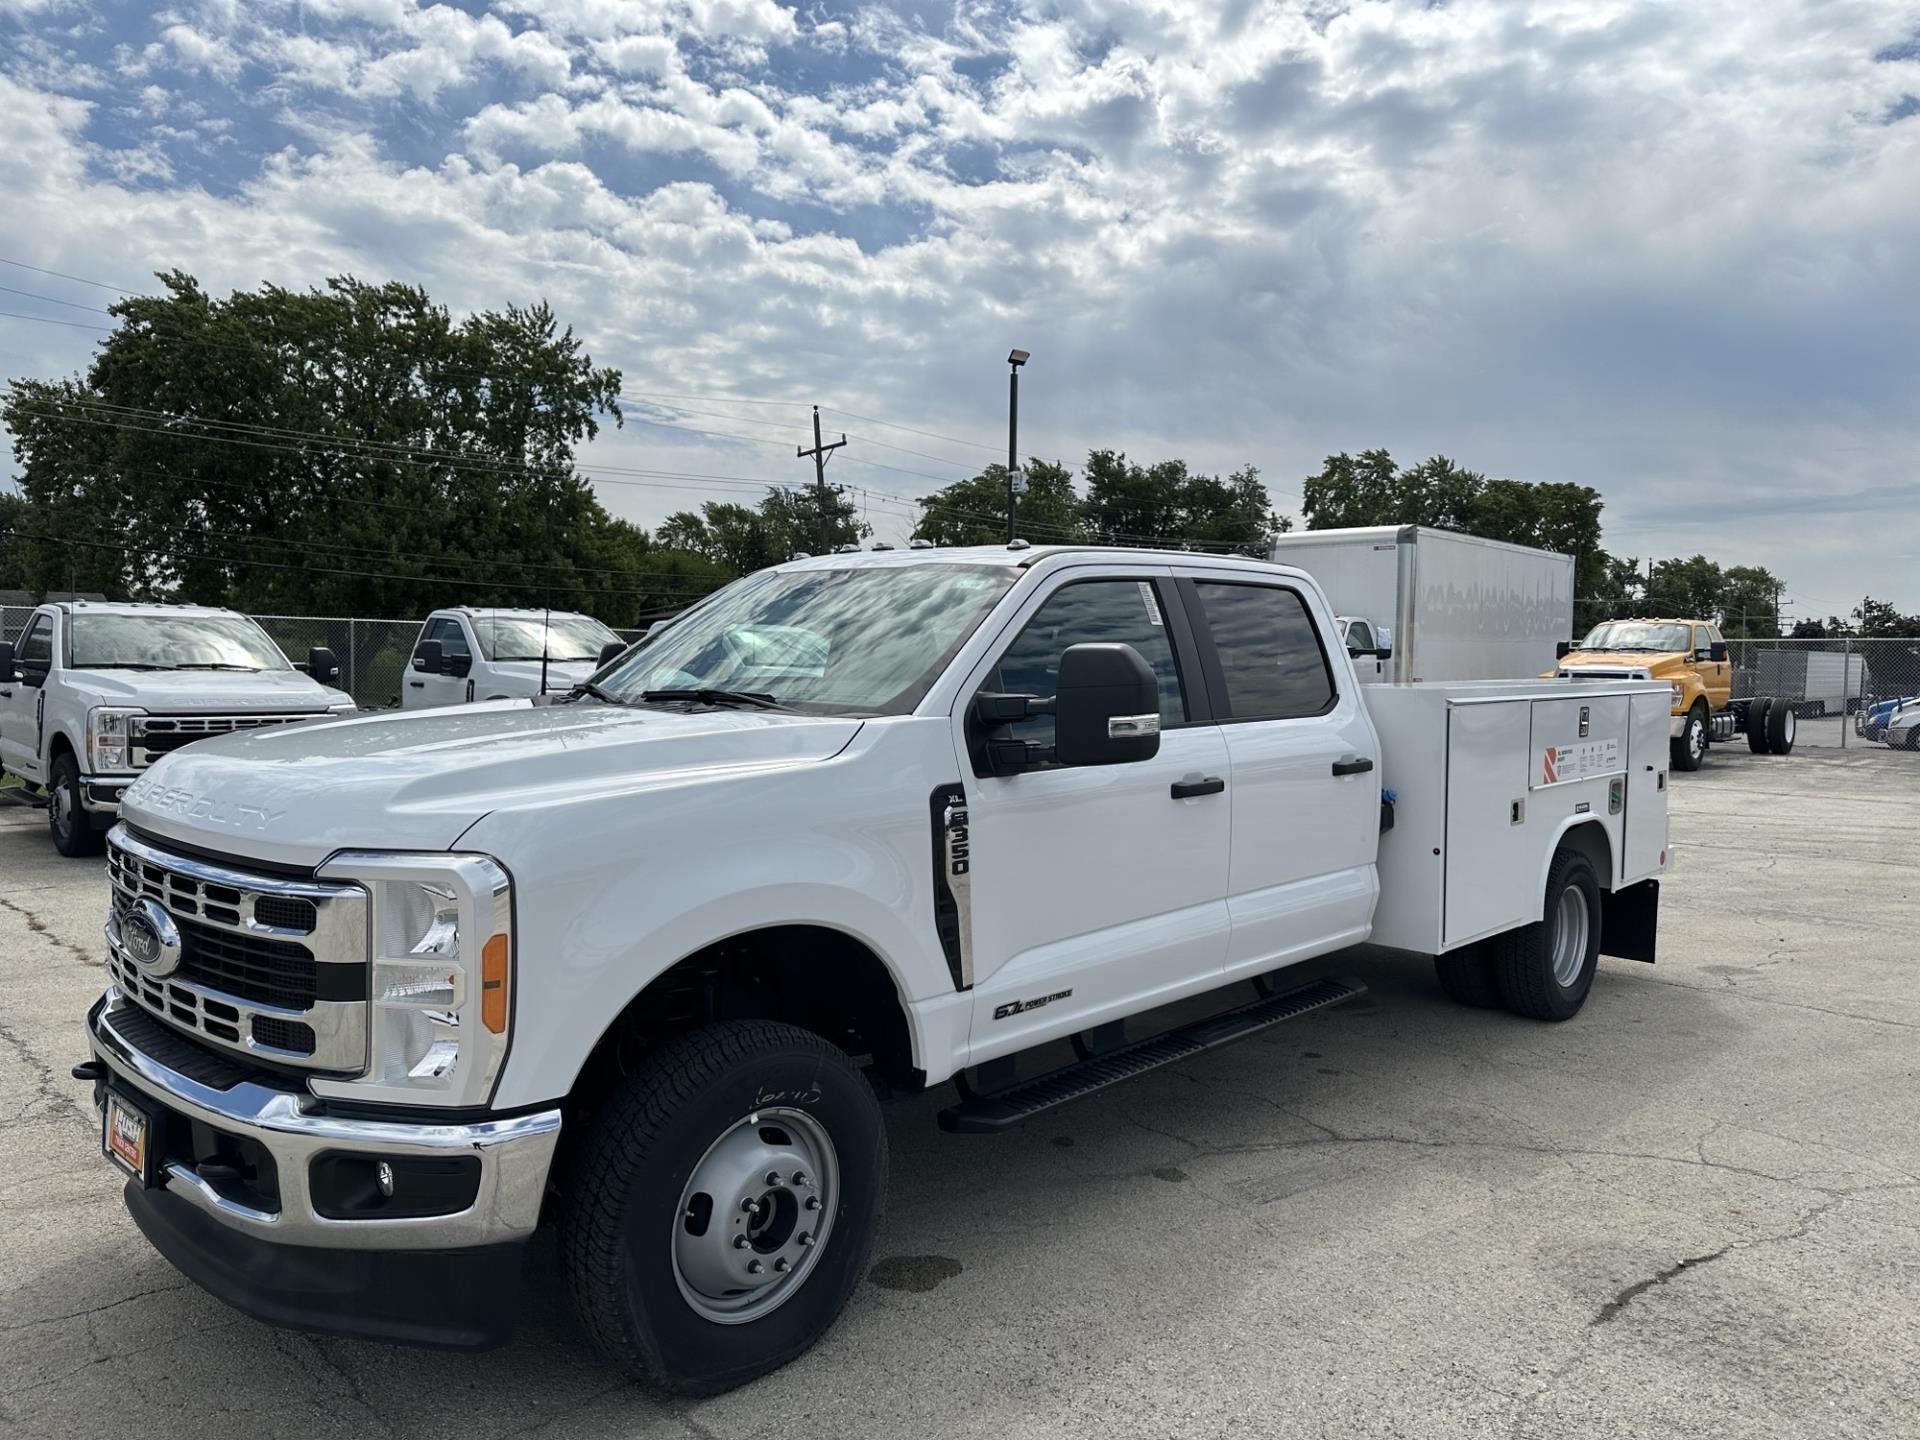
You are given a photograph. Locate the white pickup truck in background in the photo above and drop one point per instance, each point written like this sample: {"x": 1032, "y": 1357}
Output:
{"x": 94, "y": 692}
{"x": 387, "y": 994}
{"x": 465, "y": 655}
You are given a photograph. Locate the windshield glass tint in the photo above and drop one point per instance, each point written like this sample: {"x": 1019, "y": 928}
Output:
{"x": 518, "y": 637}
{"x": 1637, "y": 635}
{"x": 870, "y": 639}
{"x": 171, "y": 642}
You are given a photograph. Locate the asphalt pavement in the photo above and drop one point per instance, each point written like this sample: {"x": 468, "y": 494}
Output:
{"x": 1691, "y": 1211}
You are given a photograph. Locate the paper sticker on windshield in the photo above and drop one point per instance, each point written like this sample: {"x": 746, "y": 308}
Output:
{"x": 1152, "y": 601}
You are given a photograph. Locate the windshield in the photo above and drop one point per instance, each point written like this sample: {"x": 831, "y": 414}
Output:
{"x": 518, "y": 637}
{"x": 1637, "y": 635}
{"x": 869, "y": 639}
{"x": 170, "y": 642}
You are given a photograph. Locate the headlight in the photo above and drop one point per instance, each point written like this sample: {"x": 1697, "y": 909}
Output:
{"x": 343, "y": 707}
{"x": 441, "y": 988}
{"x": 109, "y": 738}
{"x": 1679, "y": 692}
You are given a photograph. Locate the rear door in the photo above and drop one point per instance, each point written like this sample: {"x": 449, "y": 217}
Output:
{"x": 22, "y": 700}
{"x": 1304, "y": 764}
{"x": 1098, "y": 891}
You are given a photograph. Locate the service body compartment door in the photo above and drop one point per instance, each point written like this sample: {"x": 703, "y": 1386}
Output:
{"x": 1644, "y": 849}
{"x": 1488, "y": 848}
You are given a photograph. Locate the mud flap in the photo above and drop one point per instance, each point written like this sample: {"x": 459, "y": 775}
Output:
{"x": 1630, "y": 921}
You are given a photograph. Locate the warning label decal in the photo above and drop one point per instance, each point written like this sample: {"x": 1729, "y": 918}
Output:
{"x": 1561, "y": 764}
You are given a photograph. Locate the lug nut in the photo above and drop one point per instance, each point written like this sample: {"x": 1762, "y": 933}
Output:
{"x": 773, "y": 1177}
{"x": 754, "y": 1267}
{"x": 752, "y": 1207}
{"x": 799, "y": 1177}
{"x": 781, "y": 1266}
{"x": 806, "y": 1240}
{"x": 739, "y": 1242}
{"x": 813, "y": 1202}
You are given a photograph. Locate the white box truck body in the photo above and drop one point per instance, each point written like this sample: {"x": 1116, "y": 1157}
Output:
{"x": 1446, "y": 606}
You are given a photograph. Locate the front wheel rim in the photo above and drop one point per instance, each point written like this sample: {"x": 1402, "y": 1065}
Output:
{"x": 1570, "y": 937}
{"x": 60, "y": 809}
{"x": 1786, "y": 730}
{"x": 1696, "y": 738}
{"x": 755, "y": 1216}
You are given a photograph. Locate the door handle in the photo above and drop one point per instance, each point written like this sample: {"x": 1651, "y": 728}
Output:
{"x": 416, "y": 684}
{"x": 1352, "y": 765}
{"x": 1193, "y": 789}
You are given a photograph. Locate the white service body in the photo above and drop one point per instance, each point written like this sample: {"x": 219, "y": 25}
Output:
{"x": 1449, "y": 606}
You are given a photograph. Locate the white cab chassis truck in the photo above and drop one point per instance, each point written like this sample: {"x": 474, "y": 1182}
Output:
{"x": 465, "y": 655}
{"x": 1416, "y": 603}
{"x": 95, "y": 692}
{"x": 389, "y": 993}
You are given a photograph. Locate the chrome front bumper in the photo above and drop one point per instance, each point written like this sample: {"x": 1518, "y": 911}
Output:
{"x": 514, "y": 1155}
{"x": 100, "y": 794}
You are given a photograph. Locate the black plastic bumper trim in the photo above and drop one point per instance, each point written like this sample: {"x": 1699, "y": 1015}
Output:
{"x": 446, "y": 1299}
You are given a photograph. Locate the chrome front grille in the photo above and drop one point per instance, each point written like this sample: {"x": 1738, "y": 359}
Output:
{"x": 157, "y": 735}
{"x": 271, "y": 967}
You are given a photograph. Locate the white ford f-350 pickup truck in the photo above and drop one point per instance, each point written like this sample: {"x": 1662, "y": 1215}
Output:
{"x": 465, "y": 655}
{"x": 94, "y": 692}
{"x": 390, "y": 992}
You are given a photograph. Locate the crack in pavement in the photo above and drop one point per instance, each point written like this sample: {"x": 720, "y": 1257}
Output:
{"x": 91, "y": 1310}
{"x": 1640, "y": 1287}
{"x": 40, "y": 927}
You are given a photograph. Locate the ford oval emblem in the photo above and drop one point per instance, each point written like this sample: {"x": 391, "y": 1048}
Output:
{"x": 151, "y": 938}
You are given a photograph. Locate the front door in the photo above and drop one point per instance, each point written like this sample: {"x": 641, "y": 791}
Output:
{"x": 1100, "y": 890}
{"x": 1305, "y": 771}
{"x": 444, "y": 688}
{"x": 21, "y": 699}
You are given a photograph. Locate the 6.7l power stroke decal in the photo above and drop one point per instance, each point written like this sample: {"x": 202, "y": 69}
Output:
{"x": 953, "y": 881}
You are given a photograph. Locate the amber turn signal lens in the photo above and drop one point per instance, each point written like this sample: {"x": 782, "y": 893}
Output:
{"x": 493, "y": 984}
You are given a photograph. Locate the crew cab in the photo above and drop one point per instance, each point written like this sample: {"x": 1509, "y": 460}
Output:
{"x": 388, "y": 993}
{"x": 95, "y": 692}
{"x": 465, "y": 655}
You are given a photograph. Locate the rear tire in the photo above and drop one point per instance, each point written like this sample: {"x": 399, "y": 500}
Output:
{"x": 1781, "y": 723}
{"x": 67, "y": 819}
{"x": 681, "y": 1142}
{"x": 1757, "y": 724}
{"x": 1690, "y": 748}
{"x": 1545, "y": 969}
{"x": 1466, "y": 975}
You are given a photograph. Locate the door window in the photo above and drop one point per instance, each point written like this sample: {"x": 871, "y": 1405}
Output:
{"x": 1271, "y": 663}
{"x": 1125, "y": 612}
{"x": 453, "y": 640}
{"x": 36, "y": 646}
{"x": 1359, "y": 635}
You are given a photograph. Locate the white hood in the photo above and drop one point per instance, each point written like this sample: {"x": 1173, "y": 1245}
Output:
{"x": 522, "y": 677}
{"x": 416, "y": 780}
{"x": 205, "y": 692}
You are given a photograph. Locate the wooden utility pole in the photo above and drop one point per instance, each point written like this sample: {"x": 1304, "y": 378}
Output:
{"x": 819, "y": 454}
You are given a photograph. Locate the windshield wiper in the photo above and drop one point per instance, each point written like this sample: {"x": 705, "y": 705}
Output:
{"x": 219, "y": 665}
{"x": 123, "y": 665}
{"x": 587, "y": 687}
{"x": 716, "y": 697}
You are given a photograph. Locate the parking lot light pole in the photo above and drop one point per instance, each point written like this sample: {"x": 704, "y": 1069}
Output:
{"x": 1015, "y": 359}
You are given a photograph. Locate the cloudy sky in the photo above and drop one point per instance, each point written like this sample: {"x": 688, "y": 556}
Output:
{"x": 1670, "y": 249}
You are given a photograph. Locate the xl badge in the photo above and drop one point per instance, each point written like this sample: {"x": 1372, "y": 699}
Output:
{"x": 151, "y": 938}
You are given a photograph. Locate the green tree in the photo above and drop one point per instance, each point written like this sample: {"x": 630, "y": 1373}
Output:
{"x": 1686, "y": 589}
{"x": 974, "y": 511}
{"x": 1167, "y": 504}
{"x": 740, "y": 540}
{"x": 1749, "y": 603}
{"x": 345, "y": 449}
{"x": 1878, "y": 618}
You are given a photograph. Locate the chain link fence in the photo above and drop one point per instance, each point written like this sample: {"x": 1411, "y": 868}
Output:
{"x": 1842, "y": 689}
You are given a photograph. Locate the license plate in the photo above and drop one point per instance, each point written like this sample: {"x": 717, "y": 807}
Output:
{"x": 125, "y": 1135}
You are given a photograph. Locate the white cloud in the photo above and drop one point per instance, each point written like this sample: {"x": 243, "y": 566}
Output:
{"x": 1661, "y": 249}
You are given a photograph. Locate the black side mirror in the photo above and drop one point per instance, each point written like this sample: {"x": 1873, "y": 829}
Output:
{"x": 610, "y": 652}
{"x": 1107, "y": 709}
{"x": 1385, "y": 652}
{"x": 456, "y": 664}
{"x": 1717, "y": 650}
{"x": 6, "y": 663}
{"x": 322, "y": 666}
{"x": 427, "y": 658}
{"x": 1562, "y": 650}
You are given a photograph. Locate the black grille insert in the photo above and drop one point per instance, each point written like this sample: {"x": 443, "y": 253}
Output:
{"x": 284, "y": 913}
{"x": 254, "y": 967}
{"x": 283, "y": 1034}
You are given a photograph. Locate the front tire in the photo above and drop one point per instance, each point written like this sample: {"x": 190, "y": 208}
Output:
{"x": 1757, "y": 711}
{"x": 1545, "y": 969}
{"x": 67, "y": 819}
{"x": 1690, "y": 748}
{"x": 697, "y": 1260}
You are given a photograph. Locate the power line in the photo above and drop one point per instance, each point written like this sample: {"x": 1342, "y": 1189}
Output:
{"x": 62, "y": 275}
